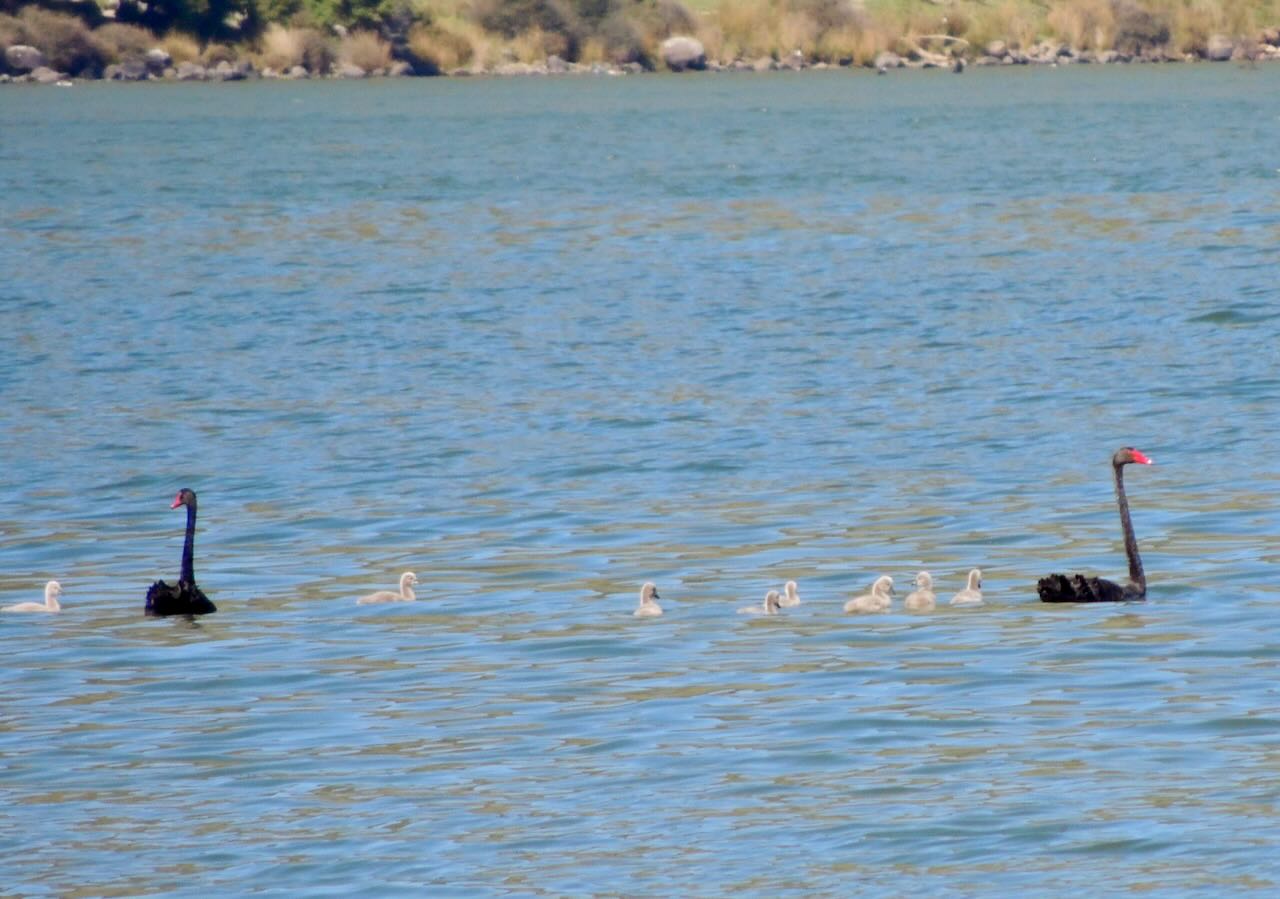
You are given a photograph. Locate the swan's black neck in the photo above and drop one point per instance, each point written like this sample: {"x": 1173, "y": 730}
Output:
{"x": 1136, "y": 576}
{"x": 188, "y": 547}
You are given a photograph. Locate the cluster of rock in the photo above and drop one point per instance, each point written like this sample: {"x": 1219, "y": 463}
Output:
{"x": 1218, "y": 48}
{"x": 554, "y": 65}
{"x": 678, "y": 54}
{"x": 27, "y": 64}
{"x": 30, "y": 64}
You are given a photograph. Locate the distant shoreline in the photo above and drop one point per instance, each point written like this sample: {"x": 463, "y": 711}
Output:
{"x": 505, "y": 38}
{"x": 1043, "y": 56}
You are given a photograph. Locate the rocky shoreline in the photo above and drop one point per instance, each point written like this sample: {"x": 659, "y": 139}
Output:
{"x": 27, "y": 65}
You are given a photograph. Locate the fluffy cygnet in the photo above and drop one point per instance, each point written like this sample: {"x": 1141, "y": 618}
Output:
{"x": 922, "y": 598}
{"x": 971, "y": 595}
{"x": 772, "y": 603}
{"x": 52, "y": 591}
{"x": 790, "y": 597}
{"x": 407, "y": 582}
{"x": 648, "y": 607}
{"x": 878, "y": 600}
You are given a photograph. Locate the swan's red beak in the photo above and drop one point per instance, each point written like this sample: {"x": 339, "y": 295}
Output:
{"x": 1142, "y": 458}
{"x": 177, "y": 501}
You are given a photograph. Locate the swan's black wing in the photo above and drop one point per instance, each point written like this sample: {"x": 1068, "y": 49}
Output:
{"x": 160, "y": 596}
{"x": 182, "y": 599}
{"x": 1078, "y": 588}
{"x": 197, "y": 602}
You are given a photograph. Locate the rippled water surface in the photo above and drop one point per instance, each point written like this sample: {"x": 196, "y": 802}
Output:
{"x": 542, "y": 340}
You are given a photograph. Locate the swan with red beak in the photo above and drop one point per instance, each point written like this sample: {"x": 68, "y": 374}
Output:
{"x": 1078, "y": 588}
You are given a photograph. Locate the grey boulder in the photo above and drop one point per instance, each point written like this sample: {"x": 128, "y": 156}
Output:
{"x": 22, "y": 58}
{"x": 1219, "y": 48}
{"x": 888, "y": 60}
{"x": 46, "y": 75}
{"x": 129, "y": 70}
{"x": 681, "y": 53}
{"x": 157, "y": 59}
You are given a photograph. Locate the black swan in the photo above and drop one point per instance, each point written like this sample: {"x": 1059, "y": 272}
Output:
{"x": 1078, "y": 588}
{"x": 185, "y": 598}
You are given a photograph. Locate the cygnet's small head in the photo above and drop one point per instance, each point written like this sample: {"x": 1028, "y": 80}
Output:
{"x": 649, "y": 592}
{"x": 883, "y": 584}
{"x": 791, "y": 588}
{"x": 186, "y": 497}
{"x": 924, "y": 581}
{"x": 975, "y": 579}
{"x": 408, "y": 579}
{"x": 1127, "y": 454}
{"x": 53, "y": 588}
{"x": 772, "y": 601}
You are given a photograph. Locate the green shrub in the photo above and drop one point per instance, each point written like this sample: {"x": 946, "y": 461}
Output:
{"x": 624, "y": 41}
{"x": 366, "y": 14}
{"x": 66, "y": 42}
{"x": 318, "y": 52}
{"x": 207, "y": 19}
{"x": 673, "y": 17}
{"x": 512, "y": 17}
{"x": 1138, "y": 29}
{"x": 120, "y": 42}
{"x": 829, "y": 15}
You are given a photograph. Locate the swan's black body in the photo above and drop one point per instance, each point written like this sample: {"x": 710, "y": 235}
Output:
{"x": 1078, "y": 588}
{"x": 183, "y": 598}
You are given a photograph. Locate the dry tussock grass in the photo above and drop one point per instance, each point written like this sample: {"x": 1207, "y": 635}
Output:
{"x": 213, "y": 54}
{"x": 858, "y": 45}
{"x": 1017, "y": 24}
{"x": 451, "y": 42}
{"x": 593, "y": 50}
{"x": 281, "y": 48}
{"x": 10, "y": 30}
{"x": 747, "y": 28}
{"x": 181, "y": 47}
{"x": 535, "y": 45}
{"x": 1083, "y": 24}
{"x": 366, "y": 50}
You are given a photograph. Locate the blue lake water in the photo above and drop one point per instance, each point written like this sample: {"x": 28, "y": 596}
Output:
{"x": 542, "y": 340}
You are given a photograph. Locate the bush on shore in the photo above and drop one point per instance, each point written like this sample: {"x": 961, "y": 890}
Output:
{"x": 366, "y": 50}
{"x": 120, "y": 42}
{"x": 67, "y": 43}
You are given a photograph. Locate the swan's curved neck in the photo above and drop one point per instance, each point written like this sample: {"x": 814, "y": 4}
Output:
{"x": 406, "y": 590}
{"x": 1136, "y": 575}
{"x": 188, "y": 547}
